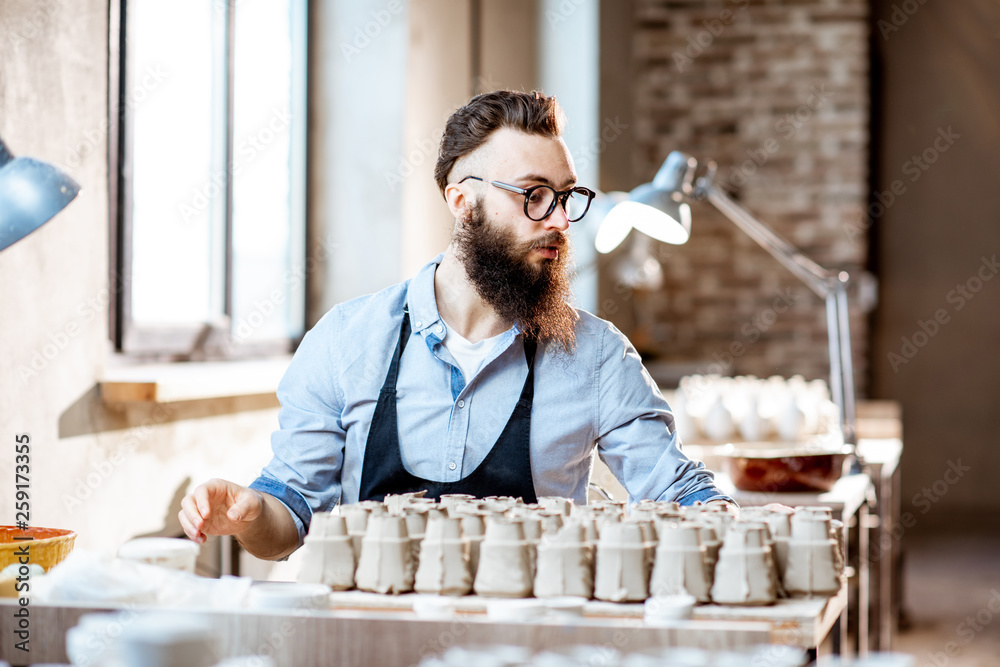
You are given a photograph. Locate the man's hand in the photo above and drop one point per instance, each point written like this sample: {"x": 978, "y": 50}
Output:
{"x": 219, "y": 507}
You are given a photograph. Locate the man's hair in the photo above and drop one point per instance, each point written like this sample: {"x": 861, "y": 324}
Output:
{"x": 469, "y": 127}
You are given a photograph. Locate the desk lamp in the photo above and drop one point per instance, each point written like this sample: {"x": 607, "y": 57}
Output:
{"x": 660, "y": 210}
{"x": 31, "y": 192}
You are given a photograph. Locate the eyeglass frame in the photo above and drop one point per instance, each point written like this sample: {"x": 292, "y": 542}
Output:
{"x": 560, "y": 198}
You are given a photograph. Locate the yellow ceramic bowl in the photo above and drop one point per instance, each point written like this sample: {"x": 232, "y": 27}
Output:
{"x": 49, "y": 546}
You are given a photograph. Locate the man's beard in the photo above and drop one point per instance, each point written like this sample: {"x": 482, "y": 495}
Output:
{"x": 534, "y": 296}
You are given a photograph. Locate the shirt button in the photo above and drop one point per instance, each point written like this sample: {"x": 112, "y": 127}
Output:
{"x": 461, "y": 404}
{"x": 439, "y": 329}
{"x": 419, "y": 324}
{"x": 452, "y": 466}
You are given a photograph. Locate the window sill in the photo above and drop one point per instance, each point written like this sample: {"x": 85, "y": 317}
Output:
{"x": 192, "y": 380}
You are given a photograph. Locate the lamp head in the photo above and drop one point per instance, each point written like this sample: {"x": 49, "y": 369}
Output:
{"x": 676, "y": 173}
{"x": 31, "y": 192}
{"x": 656, "y": 209}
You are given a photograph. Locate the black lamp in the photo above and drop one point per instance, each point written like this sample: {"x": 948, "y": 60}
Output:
{"x": 31, "y": 192}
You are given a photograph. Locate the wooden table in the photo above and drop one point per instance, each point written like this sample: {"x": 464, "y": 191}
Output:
{"x": 345, "y": 637}
{"x": 886, "y": 526}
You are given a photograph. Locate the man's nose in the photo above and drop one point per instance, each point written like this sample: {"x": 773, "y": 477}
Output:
{"x": 558, "y": 220}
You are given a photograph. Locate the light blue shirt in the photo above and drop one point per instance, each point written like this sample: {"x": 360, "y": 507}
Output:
{"x": 598, "y": 399}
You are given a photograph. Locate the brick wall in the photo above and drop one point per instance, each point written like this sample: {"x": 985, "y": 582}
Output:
{"x": 777, "y": 93}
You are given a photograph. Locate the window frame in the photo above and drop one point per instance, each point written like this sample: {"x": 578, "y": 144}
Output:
{"x": 198, "y": 340}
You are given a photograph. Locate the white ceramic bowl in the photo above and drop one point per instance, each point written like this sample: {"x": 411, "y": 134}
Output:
{"x": 169, "y": 552}
{"x": 279, "y": 595}
{"x": 520, "y": 610}
{"x": 669, "y": 607}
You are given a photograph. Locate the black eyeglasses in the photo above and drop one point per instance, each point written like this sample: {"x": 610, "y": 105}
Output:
{"x": 540, "y": 200}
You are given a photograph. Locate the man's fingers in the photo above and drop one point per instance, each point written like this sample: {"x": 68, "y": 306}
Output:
{"x": 192, "y": 512}
{"x": 202, "y": 499}
{"x": 246, "y": 507}
{"x": 189, "y": 529}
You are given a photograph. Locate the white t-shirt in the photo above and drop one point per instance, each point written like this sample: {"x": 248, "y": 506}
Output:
{"x": 470, "y": 356}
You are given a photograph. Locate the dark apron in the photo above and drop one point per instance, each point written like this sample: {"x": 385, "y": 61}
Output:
{"x": 506, "y": 470}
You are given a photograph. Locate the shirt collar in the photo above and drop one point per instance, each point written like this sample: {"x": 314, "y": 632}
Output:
{"x": 420, "y": 297}
{"x": 422, "y": 303}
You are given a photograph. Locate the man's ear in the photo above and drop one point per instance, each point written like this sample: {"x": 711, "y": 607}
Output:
{"x": 457, "y": 201}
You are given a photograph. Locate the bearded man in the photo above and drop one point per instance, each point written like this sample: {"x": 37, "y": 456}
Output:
{"x": 475, "y": 376}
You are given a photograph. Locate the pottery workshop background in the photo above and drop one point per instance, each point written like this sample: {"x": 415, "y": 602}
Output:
{"x": 884, "y": 120}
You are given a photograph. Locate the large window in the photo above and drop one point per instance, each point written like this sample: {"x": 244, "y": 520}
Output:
{"x": 211, "y": 189}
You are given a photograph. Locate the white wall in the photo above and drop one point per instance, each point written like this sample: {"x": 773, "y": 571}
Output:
{"x": 109, "y": 473}
{"x": 357, "y": 171}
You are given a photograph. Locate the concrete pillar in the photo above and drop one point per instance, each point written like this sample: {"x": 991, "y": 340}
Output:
{"x": 440, "y": 80}
{"x": 359, "y": 69}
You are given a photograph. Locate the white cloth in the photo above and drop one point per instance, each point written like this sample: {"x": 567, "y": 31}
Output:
{"x": 470, "y": 356}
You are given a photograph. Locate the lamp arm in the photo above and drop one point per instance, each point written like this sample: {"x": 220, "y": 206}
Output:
{"x": 849, "y": 418}
{"x": 829, "y": 286}
{"x": 818, "y": 279}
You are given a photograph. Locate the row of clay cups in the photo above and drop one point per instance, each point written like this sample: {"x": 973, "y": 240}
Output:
{"x": 632, "y": 568}
{"x": 431, "y": 552}
{"x": 808, "y": 548}
{"x": 744, "y": 570}
{"x": 565, "y": 566}
{"x": 639, "y": 558}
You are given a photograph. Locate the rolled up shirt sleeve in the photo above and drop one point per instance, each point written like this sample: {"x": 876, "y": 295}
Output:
{"x": 305, "y": 470}
{"x": 637, "y": 438}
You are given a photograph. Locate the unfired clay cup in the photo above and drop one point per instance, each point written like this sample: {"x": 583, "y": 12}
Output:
{"x": 813, "y": 557}
{"x": 565, "y": 565}
{"x": 681, "y": 564}
{"x": 356, "y": 516}
{"x": 385, "y": 565}
{"x": 444, "y": 563}
{"x": 504, "y": 568}
{"x": 563, "y": 506}
{"x": 328, "y": 553}
{"x": 622, "y": 570}
{"x": 416, "y": 524}
{"x": 473, "y": 532}
{"x": 744, "y": 572}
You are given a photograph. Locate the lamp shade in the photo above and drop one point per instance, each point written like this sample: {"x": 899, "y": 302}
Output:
{"x": 656, "y": 209}
{"x": 653, "y": 212}
{"x": 31, "y": 192}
